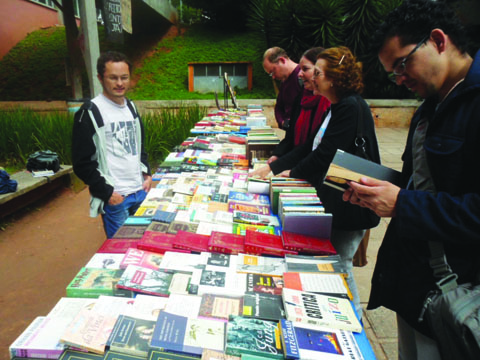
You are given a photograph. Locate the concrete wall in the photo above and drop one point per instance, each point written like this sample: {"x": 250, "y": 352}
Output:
{"x": 21, "y": 17}
{"x": 386, "y": 113}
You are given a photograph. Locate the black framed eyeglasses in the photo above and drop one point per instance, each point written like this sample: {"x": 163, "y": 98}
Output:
{"x": 401, "y": 67}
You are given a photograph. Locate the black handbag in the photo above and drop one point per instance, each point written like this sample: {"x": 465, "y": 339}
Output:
{"x": 43, "y": 160}
{"x": 452, "y": 311}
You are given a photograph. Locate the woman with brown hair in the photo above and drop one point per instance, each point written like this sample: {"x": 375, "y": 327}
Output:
{"x": 338, "y": 77}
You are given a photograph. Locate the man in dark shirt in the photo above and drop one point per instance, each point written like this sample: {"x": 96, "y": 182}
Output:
{"x": 279, "y": 66}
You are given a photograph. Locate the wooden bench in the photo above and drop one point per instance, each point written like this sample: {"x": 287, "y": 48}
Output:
{"x": 31, "y": 188}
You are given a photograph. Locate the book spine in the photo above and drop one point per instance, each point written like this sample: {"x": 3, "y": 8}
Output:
{"x": 35, "y": 353}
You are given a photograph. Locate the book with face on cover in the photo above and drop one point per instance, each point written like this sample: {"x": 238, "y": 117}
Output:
{"x": 131, "y": 335}
{"x": 265, "y": 284}
{"x": 322, "y": 310}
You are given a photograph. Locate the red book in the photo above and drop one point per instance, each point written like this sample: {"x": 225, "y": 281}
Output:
{"x": 157, "y": 242}
{"x": 237, "y": 139}
{"x": 260, "y": 243}
{"x": 117, "y": 246}
{"x": 226, "y": 243}
{"x": 190, "y": 241}
{"x": 307, "y": 244}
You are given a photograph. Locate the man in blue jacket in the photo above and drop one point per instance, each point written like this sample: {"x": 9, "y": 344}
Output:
{"x": 422, "y": 46}
{"x": 108, "y": 146}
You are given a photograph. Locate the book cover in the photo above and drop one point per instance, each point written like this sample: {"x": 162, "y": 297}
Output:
{"x": 158, "y": 242}
{"x": 307, "y": 244}
{"x": 255, "y": 219}
{"x": 220, "y": 307}
{"x": 348, "y": 167}
{"x": 156, "y": 354}
{"x": 314, "y": 264}
{"x": 131, "y": 335}
{"x": 249, "y": 198}
{"x": 190, "y": 241}
{"x": 70, "y": 354}
{"x": 322, "y": 310}
{"x": 105, "y": 261}
{"x": 241, "y": 229}
{"x": 142, "y": 258}
{"x": 176, "y": 226}
{"x": 303, "y": 341}
{"x": 157, "y": 226}
{"x": 117, "y": 246}
{"x": 147, "y": 307}
{"x": 184, "y": 305}
{"x": 130, "y": 232}
{"x": 312, "y": 224}
{"x": 263, "y": 306}
{"x": 163, "y": 216}
{"x": 226, "y": 243}
{"x": 260, "y": 243}
{"x": 159, "y": 282}
{"x": 189, "y": 336}
{"x": 217, "y": 355}
{"x": 91, "y": 282}
{"x": 331, "y": 284}
{"x": 253, "y": 336}
{"x": 89, "y": 331}
{"x": 273, "y": 266}
{"x": 264, "y": 284}
{"x": 145, "y": 211}
{"x": 115, "y": 355}
{"x": 40, "y": 339}
{"x": 138, "y": 220}
{"x": 253, "y": 208}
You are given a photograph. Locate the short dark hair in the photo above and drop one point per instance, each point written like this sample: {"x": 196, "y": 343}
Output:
{"x": 415, "y": 19}
{"x": 312, "y": 54}
{"x": 113, "y": 56}
{"x": 274, "y": 54}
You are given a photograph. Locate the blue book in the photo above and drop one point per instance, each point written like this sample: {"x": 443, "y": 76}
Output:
{"x": 305, "y": 341}
{"x": 164, "y": 216}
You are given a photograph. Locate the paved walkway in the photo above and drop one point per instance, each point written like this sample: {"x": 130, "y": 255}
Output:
{"x": 380, "y": 324}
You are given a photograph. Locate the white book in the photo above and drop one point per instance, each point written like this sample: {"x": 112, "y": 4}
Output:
{"x": 263, "y": 265}
{"x": 105, "y": 261}
{"x": 184, "y": 305}
{"x": 69, "y": 307}
{"x": 322, "y": 310}
{"x": 147, "y": 307}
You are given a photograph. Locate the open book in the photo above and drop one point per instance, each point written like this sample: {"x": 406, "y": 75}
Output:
{"x": 348, "y": 167}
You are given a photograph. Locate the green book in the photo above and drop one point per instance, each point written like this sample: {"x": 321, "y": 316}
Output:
{"x": 131, "y": 335}
{"x": 277, "y": 190}
{"x": 70, "y": 354}
{"x": 115, "y": 355}
{"x": 253, "y": 336}
{"x": 155, "y": 354}
{"x": 91, "y": 283}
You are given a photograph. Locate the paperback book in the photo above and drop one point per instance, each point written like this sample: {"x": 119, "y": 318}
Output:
{"x": 131, "y": 335}
{"x": 263, "y": 306}
{"x": 253, "y": 337}
{"x": 220, "y": 307}
{"x": 187, "y": 335}
{"x": 142, "y": 258}
{"x": 265, "y": 284}
{"x": 320, "y": 310}
{"x": 331, "y": 284}
{"x": 315, "y": 264}
{"x": 91, "y": 283}
{"x": 263, "y": 265}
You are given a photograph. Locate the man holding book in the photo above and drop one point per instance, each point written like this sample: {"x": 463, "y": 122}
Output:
{"x": 423, "y": 46}
{"x": 279, "y": 66}
{"x": 108, "y": 149}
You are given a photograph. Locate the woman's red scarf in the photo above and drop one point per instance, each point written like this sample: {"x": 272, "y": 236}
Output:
{"x": 308, "y": 105}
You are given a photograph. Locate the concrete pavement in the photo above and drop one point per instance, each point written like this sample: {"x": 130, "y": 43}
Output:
{"x": 380, "y": 324}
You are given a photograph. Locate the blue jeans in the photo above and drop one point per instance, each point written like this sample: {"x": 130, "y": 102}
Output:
{"x": 346, "y": 244}
{"x": 115, "y": 215}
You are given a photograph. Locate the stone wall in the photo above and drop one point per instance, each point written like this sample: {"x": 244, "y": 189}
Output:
{"x": 387, "y": 113}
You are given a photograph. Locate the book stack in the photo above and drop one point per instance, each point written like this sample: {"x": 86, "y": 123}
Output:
{"x": 205, "y": 269}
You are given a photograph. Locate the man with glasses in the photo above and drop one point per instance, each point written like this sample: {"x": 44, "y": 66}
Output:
{"x": 107, "y": 146}
{"x": 423, "y": 46}
{"x": 279, "y": 66}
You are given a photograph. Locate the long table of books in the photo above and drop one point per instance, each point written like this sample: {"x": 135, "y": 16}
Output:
{"x": 213, "y": 265}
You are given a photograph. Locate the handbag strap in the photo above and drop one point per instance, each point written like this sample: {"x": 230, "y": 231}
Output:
{"x": 359, "y": 139}
{"x": 447, "y": 279}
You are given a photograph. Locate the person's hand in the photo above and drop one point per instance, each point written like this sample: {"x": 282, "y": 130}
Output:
{"x": 115, "y": 199}
{"x": 261, "y": 173}
{"x": 147, "y": 183}
{"x": 379, "y": 196}
{"x": 272, "y": 159}
{"x": 285, "y": 173}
